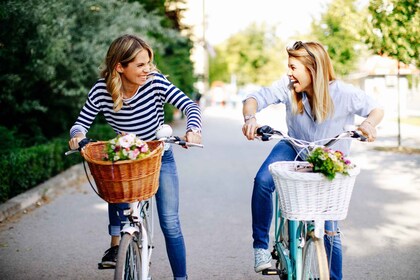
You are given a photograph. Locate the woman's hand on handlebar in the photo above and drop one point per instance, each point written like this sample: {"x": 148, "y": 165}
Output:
{"x": 193, "y": 137}
{"x": 74, "y": 142}
{"x": 249, "y": 128}
{"x": 368, "y": 130}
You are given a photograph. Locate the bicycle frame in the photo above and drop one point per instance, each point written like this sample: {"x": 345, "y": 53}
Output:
{"x": 141, "y": 223}
{"x": 289, "y": 256}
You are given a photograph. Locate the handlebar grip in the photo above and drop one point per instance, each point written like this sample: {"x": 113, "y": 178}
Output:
{"x": 84, "y": 142}
{"x": 265, "y": 129}
{"x": 359, "y": 136}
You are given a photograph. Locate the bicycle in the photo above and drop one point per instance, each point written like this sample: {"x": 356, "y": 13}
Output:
{"x": 298, "y": 247}
{"x": 136, "y": 243}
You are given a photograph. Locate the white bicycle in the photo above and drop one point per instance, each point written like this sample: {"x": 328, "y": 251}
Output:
{"x": 136, "y": 243}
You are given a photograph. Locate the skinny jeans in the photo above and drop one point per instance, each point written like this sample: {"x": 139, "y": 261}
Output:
{"x": 167, "y": 204}
{"x": 262, "y": 207}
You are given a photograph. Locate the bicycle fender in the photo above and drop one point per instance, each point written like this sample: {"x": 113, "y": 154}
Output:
{"x": 129, "y": 230}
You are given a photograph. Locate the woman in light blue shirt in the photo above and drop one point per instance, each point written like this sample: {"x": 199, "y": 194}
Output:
{"x": 317, "y": 107}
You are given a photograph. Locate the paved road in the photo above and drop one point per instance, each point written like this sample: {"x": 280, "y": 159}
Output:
{"x": 64, "y": 238}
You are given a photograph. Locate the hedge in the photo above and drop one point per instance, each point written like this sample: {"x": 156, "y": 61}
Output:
{"x": 24, "y": 168}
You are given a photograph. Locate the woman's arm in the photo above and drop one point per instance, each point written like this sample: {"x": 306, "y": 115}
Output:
{"x": 368, "y": 126}
{"x": 249, "y": 110}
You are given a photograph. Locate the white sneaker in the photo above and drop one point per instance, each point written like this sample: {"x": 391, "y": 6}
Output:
{"x": 262, "y": 259}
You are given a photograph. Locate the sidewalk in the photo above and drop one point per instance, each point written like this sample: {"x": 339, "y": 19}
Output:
{"x": 387, "y": 139}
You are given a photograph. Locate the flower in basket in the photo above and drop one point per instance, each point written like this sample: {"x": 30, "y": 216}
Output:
{"x": 126, "y": 147}
{"x": 329, "y": 162}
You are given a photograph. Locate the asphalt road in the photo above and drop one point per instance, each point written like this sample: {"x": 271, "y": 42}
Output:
{"x": 65, "y": 237}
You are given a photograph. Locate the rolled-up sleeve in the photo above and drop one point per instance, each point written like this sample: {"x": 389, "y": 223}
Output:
{"x": 278, "y": 92}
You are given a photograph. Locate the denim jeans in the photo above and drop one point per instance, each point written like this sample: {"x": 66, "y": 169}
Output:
{"x": 333, "y": 248}
{"x": 262, "y": 203}
{"x": 167, "y": 202}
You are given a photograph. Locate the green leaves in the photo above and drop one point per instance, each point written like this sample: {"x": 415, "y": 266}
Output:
{"x": 328, "y": 162}
{"x": 51, "y": 52}
{"x": 393, "y": 29}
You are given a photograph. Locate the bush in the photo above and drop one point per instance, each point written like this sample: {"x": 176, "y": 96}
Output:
{"x": 24, "y": 168}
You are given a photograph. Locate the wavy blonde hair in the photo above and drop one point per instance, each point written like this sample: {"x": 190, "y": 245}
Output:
{"x": 316, "y": 59}
{"x": 122, "y": 50}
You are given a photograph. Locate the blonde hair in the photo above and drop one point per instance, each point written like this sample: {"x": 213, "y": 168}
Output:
{"x": 122, "y": 50}
{"x": 316, "y": 59}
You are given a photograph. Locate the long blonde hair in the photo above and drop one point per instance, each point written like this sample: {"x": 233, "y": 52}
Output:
{"x": 316, "y": 59}
{"x": 122, "y": 50}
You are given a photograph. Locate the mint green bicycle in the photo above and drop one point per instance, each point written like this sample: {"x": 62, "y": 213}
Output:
{"x": 304, "y": 201}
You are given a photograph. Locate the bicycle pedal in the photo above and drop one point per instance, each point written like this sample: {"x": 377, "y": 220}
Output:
{"x": 101, "y": 266}
{"x": 270, "y": 271}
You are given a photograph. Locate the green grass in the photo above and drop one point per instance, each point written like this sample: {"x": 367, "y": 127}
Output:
{"x": 410, "y": 121}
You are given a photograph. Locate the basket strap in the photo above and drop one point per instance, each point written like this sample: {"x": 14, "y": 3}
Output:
{"x": 90, "y": 182}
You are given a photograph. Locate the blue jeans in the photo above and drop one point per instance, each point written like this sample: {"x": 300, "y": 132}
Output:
{"x": 167, "y": 202}
{"x": 262, "y": 202}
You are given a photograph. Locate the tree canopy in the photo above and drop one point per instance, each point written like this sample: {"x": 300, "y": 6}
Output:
{"x": 51, "y": 51}
{"x": 254, "y": 55}
{"x": 393, "y": 29}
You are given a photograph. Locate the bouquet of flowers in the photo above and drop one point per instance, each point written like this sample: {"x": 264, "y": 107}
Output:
{"x": 329, "y": 162}
{"x": 126, "y": 147}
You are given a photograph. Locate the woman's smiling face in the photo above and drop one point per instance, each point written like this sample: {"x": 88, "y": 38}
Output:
{"x": 299, "y": 76}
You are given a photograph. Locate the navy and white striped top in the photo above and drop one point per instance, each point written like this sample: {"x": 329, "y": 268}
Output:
{"x": 141, "y": 114}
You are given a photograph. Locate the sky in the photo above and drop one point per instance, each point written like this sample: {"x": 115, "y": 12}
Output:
{"x": 227, "y": 17}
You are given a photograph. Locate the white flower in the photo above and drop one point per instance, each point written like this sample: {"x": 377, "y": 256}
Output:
{"x": 127, "y": 140}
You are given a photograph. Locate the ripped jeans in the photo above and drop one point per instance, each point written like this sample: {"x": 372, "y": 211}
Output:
{"x": 334, "y": 250}
{"x": 167, "y": 202}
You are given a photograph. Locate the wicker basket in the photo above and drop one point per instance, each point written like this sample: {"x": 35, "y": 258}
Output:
{"x": 311, "y": 196}
{"x": 126, "y": 180}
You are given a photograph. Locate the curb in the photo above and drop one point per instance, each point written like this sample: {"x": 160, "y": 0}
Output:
{"x": 42, "y": 192}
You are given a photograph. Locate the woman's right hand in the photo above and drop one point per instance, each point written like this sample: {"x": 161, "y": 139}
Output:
{"x": 74, "y": 142}
{"x": 249, "y": 128}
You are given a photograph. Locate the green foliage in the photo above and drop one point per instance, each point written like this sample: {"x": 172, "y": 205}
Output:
{"x": 254, "y": 55}
{"x": 24, "y": 168}
{"x": 328, "y": 162}
{"x": 51, "y": 50}
{"x": 393, "y": 29}
{"x": 338, "y": 30}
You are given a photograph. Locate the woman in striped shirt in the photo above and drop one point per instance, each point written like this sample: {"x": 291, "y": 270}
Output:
{"x": 131, "y": 95}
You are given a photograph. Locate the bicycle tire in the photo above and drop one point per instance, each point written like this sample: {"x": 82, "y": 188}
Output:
{"x": 128, "y": 265}
{"x": 315, "y": 264}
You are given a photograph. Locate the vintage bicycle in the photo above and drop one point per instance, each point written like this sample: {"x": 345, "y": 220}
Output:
{"x": 134, "y": 182}
{"x": 304, "y": 201}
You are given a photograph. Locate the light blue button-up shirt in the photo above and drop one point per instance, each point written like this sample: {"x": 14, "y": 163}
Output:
{"x": 348, "y": 100}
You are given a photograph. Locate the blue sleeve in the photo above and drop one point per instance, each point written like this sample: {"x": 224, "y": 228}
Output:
{"x": 278, "y": 92}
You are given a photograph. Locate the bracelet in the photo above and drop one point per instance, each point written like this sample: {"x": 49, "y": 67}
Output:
{"x": 248, "y": 117}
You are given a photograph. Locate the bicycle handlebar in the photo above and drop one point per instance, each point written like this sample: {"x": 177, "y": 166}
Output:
{"x": 178, "y": 141}
{"x": 266, "y": 133}
{"x": 167, "y": 139}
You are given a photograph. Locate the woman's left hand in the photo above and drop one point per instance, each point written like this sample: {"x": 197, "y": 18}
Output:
{"x": 193, "y": 137}
{"x": 368, "y": 130}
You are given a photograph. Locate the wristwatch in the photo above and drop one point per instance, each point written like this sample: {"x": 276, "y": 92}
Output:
{"x": 194, "y": 130}
{"x": 248, "y": 117}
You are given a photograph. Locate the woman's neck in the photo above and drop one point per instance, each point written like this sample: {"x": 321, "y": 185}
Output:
{"x": 129, "y": 91}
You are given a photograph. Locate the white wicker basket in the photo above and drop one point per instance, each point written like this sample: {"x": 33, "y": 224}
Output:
{"x": 311, "y": 196}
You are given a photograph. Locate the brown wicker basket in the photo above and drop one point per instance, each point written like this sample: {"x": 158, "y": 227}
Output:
{"x": 126, "y": 180}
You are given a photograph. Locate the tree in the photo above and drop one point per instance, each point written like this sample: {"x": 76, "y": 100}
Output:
{"x": 50, "y": 52}
{"x": 254, "y": 55}
{"x": 392, "y": 29}
{"x": 338, "y": 30}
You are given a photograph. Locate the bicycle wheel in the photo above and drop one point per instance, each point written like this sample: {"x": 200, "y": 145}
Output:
{"x": 128, "y": 265}
{"x": 315, "y": 265}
